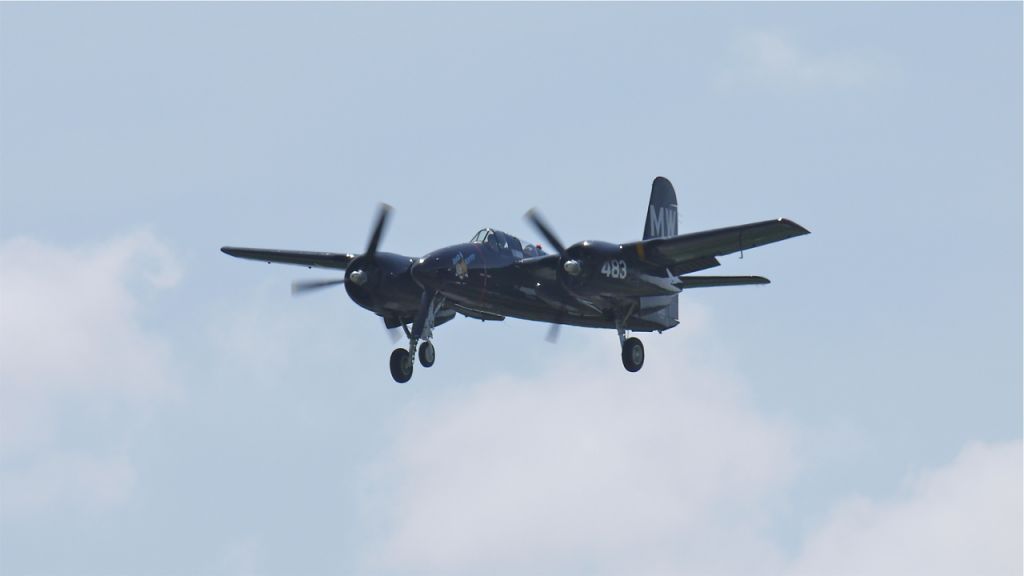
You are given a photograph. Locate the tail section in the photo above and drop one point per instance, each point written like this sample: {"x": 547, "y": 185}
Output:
{"x": 662, "y": 210}
{"x": 662, "y": 220}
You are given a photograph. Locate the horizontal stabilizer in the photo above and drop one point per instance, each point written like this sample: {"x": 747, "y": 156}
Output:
{"x": 687, "y": 282}
{"x": 308, "y": 259}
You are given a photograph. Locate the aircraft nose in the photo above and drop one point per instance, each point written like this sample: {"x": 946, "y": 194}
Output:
{"x": 430, "y": 270}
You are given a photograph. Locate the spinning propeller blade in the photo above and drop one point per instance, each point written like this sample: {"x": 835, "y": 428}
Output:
{"x": 553, "y": 331}
{"x": 572, "y": 266}
{"x": 378, "y": 230}
{"x": 300, "y": 287}
{"x": 535, "y": 218}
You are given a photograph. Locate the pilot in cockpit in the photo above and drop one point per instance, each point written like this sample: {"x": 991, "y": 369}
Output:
{"x": 492, "y": 241}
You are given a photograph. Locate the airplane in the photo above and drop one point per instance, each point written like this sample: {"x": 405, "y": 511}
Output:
{"x": 628, "y": 287}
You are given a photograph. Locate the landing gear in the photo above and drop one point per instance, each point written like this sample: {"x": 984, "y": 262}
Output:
{"x": 401, "y": 365}
{"x": 427, "y": 354}
{"x": 632, "y": 348}
{"x": 402, "y": 359}
{"x": 633, "y": 354}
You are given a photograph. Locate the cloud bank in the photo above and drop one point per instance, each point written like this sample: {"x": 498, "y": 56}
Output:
{"x": 588, "y": 469}
{"x": 963, "y": 518}
{"x": 592, "y": 470}
{"x": 73, "y": 351}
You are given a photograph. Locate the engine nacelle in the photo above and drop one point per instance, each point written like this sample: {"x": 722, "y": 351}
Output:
{"x": 598, "y": 268}
{"x": 383, "y": 284}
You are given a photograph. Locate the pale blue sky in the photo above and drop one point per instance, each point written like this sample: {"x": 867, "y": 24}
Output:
{"x": 207, "y": 423}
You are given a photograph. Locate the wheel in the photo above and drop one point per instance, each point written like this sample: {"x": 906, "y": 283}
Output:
{"x": 427, "y": 355}
{"x": 633, "y": 354}
{"x": 401, "y": 365}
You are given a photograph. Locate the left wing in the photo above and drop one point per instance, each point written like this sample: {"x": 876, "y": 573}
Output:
{"x": 675, "y": 250}
{"x": 307, "y": 259}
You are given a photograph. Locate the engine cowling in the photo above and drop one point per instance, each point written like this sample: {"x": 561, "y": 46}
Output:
{"x": 383, "y": 284}
{"x": 580, "y": 267}
{"x": 591, "y": 269}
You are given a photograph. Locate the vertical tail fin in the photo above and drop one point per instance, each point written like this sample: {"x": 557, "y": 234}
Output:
{"x": 662, "y": 210}
{"x": 662, "y": 220}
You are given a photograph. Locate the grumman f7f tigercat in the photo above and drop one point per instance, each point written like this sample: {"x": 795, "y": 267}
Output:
{"x": 628, "y": 287}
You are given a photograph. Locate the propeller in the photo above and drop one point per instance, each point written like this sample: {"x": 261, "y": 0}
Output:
{"x": 300, "y": 287}
{"x": 383, "y": 213}
{"x": 358, "y": 277}
{"x": 361, "y": 275}
{"x": 549, "y": 236}
{"x": 571, "y": 266}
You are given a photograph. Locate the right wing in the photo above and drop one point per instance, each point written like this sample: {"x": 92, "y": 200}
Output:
{"x": 704, "y": 246}
{"x": 307, "y": 259}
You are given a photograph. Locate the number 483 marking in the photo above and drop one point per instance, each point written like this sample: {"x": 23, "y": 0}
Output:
{"x": 614, "y": 269}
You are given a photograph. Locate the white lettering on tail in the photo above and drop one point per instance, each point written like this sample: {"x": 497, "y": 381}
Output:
{"x": 664, "y": 221}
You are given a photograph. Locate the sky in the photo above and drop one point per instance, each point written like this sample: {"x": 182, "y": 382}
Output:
{"x": 165, "y": 409}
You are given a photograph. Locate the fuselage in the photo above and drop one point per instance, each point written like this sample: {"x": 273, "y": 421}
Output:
{"x": 494, "y": 276}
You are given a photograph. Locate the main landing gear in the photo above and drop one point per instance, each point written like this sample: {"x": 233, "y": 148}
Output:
{"x": 427, "y": 354}
{"x": 632, "y": 348}
{"x": 422, "y": 328}
{"x": 633, "y": 354}
{"x": 401, "y": 361}
{"x": 401, "y": 365}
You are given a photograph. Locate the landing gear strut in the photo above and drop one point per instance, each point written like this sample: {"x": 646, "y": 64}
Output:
{"x": 632, "y": 348}
{"x": 422, "y": 328}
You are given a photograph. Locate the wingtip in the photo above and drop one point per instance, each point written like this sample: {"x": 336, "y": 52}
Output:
{"x": 800, "y": 229}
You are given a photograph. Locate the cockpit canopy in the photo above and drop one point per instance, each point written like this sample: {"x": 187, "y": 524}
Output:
{"x": 498, "y": 240}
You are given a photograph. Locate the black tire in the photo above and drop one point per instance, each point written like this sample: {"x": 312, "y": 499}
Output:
{"x": 633, "y": 354}
{"x": 427, "y": 355}
{"x": 401, "y": 365}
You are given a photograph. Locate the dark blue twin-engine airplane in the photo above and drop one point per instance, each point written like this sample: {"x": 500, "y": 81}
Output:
{"x": 633, "y": 286}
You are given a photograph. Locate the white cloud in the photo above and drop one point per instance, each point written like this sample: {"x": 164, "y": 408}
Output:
{"x": 771, "y": 59}
{"x": 592, "y": 470}
{"x": 588, "y": 469}
{"x": 964, "y": 518}
{"x": 71, "y": 346}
